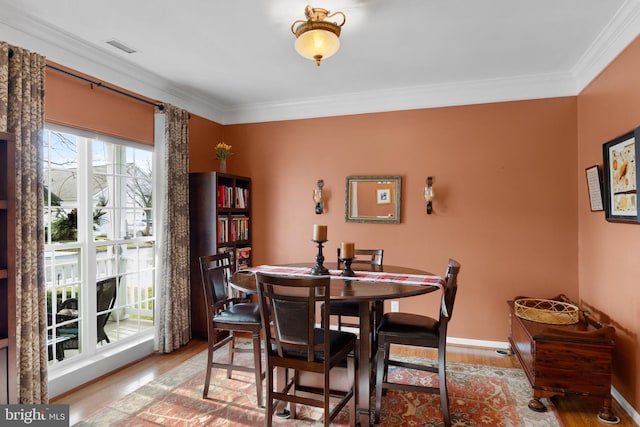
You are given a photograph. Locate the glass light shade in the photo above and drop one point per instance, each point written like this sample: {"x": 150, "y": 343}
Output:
{"x": 314, "y": 44}
{"x": 428, "y": 193}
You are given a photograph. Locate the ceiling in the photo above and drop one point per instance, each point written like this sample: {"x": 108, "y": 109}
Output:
{"x": 233, "y": 61}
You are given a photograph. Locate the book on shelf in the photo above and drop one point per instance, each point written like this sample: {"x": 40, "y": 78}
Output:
{"x": 225, "y": 196}
{"x": 220, "y": 195}
{"x": 240, "y": 256}
{"x": 232, "y": 229}
{"x": 223, "y": 229}
{"x": 233, "y": 292}
{"x": 242, "y": 198}
{"x": 239, "y": 228}
{"x": 243, "y": 258}
{"x": 229, "y": 250}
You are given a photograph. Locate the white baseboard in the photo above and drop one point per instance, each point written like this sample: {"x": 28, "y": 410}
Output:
{"x": 478, "y": 343}
{"x": 625, "y": 405}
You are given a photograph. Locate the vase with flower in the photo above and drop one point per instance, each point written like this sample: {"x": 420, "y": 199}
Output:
{"x": 222, "y": 152}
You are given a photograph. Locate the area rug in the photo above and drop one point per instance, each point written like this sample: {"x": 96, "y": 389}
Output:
{"x": 479, "y": 396}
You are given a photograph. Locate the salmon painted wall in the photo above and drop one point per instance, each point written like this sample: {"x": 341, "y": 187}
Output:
{"x": 73, "y": 102}
{"x": 609, "y": 253}
{"x": 203, "y": 136}
{"x": 505, "y": 207}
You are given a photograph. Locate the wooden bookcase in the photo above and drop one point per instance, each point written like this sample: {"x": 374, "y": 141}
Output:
{"x": 8, "y": 372}
{"x": 220, "y": 221}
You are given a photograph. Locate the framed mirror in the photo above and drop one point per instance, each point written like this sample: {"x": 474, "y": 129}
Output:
{"x": 373, "y": 199}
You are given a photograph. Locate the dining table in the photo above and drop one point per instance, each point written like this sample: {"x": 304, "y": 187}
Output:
{"x": 368, "y": 288}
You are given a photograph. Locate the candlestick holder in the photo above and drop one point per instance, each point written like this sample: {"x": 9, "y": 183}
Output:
{"x": 347, "y": 272}
{"x": 319, "y": 269}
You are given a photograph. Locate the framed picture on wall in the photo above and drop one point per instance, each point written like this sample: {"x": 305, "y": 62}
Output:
{"x": 594, "y": 185}
{"x": 384, "y": 196}
{"x": 621, "y": 180}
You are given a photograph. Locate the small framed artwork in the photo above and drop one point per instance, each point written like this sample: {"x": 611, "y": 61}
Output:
{"x": 384, "y": 196}
{"x": 594, "y": 184}
{"x": 621, "y": 180}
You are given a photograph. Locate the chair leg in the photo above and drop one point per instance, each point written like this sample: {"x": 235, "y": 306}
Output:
{"x": 207, "y": 380}
{"x": 444, "y": 397}
{"x": 351, "y": 369}
{"x": 326, "y": 395}
{"x": 296, "y": 382}
{"x": 339, "y": 322}
{"x": 232, "y": 346}
{"x": 269, "y": 404}
{"x": 381, "y": 374}
{"x": 257, "y": 365}
{"x": 387, "y": 352}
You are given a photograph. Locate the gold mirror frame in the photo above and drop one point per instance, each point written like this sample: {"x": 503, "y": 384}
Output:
{"x": 373, "y": 199}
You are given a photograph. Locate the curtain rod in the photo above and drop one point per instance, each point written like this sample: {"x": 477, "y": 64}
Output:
{"x": 102, "y": 85}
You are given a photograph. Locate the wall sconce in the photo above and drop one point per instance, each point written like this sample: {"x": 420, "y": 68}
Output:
{"x": 317, "y": 197}
{"x": 429, "y": 194}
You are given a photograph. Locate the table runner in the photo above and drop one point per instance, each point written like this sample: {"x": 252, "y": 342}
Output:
{"x": 364, "y": 276}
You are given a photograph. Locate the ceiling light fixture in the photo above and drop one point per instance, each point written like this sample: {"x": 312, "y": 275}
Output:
{"x": 316, "y": 38}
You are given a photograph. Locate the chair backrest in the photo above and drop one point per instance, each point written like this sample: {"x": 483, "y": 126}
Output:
{"x": 106, "y": 294}
{"x": 222, "y": 259}
{"x": 106, "y": 299}
{"x": 370, "y": 257}
{"x": 450, "y": 290}
{"x": 288, "y": 310}
{"x": 215, "y": 271}
{"x": 69, "y": 303}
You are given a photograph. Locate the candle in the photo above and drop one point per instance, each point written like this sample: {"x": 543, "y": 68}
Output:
{"x": 347, "y": 250}
{"x": 319, "y": 232}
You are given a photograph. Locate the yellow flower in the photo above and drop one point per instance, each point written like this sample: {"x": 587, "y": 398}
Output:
{"x": 222, "y": 151}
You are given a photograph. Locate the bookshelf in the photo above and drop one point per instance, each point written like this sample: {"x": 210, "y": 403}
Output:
{"x": 8, "y": 369}
{"x": 220, "y": 221}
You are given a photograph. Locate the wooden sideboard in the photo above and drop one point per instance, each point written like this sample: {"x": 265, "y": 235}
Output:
{"x": 565, "y": 359}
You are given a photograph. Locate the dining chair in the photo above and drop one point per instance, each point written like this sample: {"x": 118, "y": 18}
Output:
{"x": 371, "y": 259}
{"x": 419, "y": 331}
{"x": 230, "y": 315}
{"x": 294, "y": 343}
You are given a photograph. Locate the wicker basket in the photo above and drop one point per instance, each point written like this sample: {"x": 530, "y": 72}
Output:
{"x": 546, "y": 311}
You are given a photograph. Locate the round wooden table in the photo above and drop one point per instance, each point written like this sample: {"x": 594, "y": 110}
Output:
{"x": 352, "y": 290}
{"x": 366, "y": 293}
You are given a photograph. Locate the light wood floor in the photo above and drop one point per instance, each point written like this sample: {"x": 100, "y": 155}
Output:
{"x": 89, "y": 398}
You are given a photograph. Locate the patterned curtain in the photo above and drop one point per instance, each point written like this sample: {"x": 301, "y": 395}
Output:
{"x": 22, "y": 76}
{"x": 173, "y": 259}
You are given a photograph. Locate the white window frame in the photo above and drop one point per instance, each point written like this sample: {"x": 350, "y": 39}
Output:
{"x": 95, "y": 360}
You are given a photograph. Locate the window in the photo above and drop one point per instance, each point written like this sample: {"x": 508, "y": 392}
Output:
{"x": 99, "y": 242}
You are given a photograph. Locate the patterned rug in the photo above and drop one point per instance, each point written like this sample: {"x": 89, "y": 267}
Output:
{"x": 479, "y": 396}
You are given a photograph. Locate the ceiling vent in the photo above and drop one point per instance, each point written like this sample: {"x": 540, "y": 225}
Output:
{"x": 119, "y": 45}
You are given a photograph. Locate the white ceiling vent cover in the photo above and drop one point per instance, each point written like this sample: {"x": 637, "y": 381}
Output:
{"x": 119, "y": 45}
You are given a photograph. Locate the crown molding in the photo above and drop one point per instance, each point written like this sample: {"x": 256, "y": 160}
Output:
{"x": 623, "y": 28}
{"x": 60, "y": 47}
{"x": 408, "y": 98}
